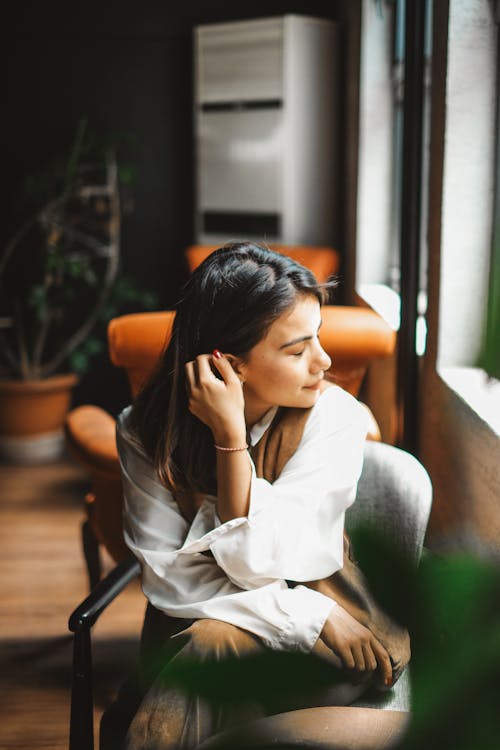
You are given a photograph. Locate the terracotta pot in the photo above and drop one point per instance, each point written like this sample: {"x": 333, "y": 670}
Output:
{"x": 32, "y": 415}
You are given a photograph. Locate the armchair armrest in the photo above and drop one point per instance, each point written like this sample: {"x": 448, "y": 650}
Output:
{"x": 89, "y": 611}
{"x": 81, "y": 733}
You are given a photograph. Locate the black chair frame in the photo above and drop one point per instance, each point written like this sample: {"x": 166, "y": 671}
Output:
{"x": 81, "y": 622}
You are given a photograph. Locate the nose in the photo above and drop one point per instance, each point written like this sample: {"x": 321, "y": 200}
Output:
{"x": 321, "y": 360}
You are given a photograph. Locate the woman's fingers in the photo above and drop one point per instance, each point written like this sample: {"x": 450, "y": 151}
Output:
{"x": 225, "y": 368}
{"x": 190, "y": 375}
{"x": 205, "y": 373}
{"x": 370, "y": 660}
{"x": 199, "y": 371}
{"x": 359, "y": 659}
{"x": 383, "y": 660}
{"x": 216, "y": 397}
{"x": 355, "y": 645}
{"x": 344, "y": 651}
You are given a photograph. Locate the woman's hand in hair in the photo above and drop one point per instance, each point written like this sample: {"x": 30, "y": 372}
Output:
{"x": 217, "y": 402}
{"x": 355, "y": 645}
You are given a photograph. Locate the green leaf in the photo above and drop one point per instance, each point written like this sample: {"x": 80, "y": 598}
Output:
{"x": 391, "y": 575}
{"x": 126, "y": 173}
{"x": 149, "y": 300}
{"x": 456, "y": 655}
{"x": 264, "y": 676}
{"x": 79, "y": 362}
{"x": 38, "y": 298}
{"x": 93, "y": 346}
{"x": 54, "y": 260}
{"x": 75, "y": 268}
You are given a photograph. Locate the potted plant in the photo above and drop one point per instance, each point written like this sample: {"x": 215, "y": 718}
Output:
{"x": 58, "y": 279}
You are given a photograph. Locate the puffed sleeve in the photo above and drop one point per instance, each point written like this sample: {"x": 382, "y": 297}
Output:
{"x": 193, "y": 585}
{"x": 294, "y": 528}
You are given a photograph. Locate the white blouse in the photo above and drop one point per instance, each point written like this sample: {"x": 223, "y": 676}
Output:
{"x": 293, "y": 532}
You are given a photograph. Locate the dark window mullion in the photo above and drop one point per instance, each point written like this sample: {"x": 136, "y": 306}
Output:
{"x": 490, "y": 356}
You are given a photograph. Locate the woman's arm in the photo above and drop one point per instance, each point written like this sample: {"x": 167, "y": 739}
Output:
{"x": 220, "y": 405}
{"x": 294, "y": 527}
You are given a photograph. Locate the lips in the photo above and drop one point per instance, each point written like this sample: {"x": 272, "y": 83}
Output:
{"x": 314, "y": 387}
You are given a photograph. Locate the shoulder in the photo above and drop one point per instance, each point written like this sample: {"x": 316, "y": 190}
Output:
{"x": 123, "y": 430}
{"x": 126, "y": 439}
{"x": 137, "y": 469}
{"x": 335, "y": 410}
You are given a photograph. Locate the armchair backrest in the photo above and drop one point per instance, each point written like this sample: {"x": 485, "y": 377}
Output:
{"x": 352, "y": 336}
{"x": 136, "y": 341}
{"x": 322, "y": 261}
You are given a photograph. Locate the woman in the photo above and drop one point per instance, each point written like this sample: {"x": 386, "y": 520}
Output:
{"x": 239, "y": 462}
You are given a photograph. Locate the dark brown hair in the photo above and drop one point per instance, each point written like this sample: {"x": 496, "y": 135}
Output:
{"x": 228, "y": 303}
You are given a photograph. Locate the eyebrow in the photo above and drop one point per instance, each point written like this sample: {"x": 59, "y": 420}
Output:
{"x": 300, "y": 339}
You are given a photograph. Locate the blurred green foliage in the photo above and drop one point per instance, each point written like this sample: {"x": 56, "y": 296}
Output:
{"x": 256, "y": 677}
{"x": 451, "y": 606}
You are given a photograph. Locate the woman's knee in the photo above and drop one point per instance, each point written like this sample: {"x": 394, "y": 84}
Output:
{"x": 214, "y": 639}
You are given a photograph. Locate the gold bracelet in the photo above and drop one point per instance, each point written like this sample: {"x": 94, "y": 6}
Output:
{"x": 230, "y": 450}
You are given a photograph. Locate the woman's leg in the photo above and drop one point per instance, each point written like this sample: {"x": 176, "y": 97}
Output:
{"x": 168, "y": 718}
{"x": 329, "y": 728}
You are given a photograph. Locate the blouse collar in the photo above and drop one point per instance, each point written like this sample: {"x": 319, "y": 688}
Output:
{"x": 259, "y": 428}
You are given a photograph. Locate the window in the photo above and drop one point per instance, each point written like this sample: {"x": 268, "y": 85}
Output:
{"x": 470, "y": 268}
{"x": 469, "y": 286}
{"x": 381, "y": 154}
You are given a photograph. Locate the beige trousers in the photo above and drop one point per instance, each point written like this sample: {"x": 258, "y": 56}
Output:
{"x": 169, "y": 719}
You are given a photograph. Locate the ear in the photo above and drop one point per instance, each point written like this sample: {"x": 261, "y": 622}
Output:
{"x": 237, "y": 364}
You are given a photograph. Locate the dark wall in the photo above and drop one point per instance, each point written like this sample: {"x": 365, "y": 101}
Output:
{"x": 126, "y": 67}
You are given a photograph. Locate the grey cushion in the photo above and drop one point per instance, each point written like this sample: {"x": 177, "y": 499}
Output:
{"x": 395, "y": 493}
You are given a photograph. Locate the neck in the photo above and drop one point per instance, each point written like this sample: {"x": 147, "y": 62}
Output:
{"x": 255, "y": 412}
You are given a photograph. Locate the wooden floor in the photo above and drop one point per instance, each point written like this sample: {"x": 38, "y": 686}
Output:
{"x": 42, "y": 578}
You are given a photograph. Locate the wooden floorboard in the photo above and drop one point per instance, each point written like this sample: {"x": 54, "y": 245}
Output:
{"x": 42, "y": 578}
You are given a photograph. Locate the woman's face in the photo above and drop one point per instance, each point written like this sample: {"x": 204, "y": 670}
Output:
{"x": 286, "y": 367}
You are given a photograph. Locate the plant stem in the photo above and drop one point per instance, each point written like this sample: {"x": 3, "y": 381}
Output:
{"x": 11, "y": 246}
{"x": 74, "y": 159}
{"x": 40, "y": 341}
{"x": 111, "y": 272}
{"x": 24, "y": 362}
{"x": 9, "y": 355}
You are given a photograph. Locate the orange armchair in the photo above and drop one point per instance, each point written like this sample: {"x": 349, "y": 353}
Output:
{"x": 322, "y": 261}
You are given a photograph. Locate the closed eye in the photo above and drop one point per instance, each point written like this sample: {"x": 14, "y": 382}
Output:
{"x": 300, "y": 339}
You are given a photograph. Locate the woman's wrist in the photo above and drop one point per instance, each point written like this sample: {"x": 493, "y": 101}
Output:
{"x": 230, "y": 438}
{"x": 230, "y": 450}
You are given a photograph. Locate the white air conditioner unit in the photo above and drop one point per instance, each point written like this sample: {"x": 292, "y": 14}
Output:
{"x": 266, "y": 130}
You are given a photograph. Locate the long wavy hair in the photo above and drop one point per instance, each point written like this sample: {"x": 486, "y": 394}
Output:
{"x": 228, "y": 303}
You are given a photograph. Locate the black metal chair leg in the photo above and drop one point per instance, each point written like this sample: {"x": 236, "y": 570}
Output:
{"x": 91, "y": 554}
{"x": 81, "y": 732}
